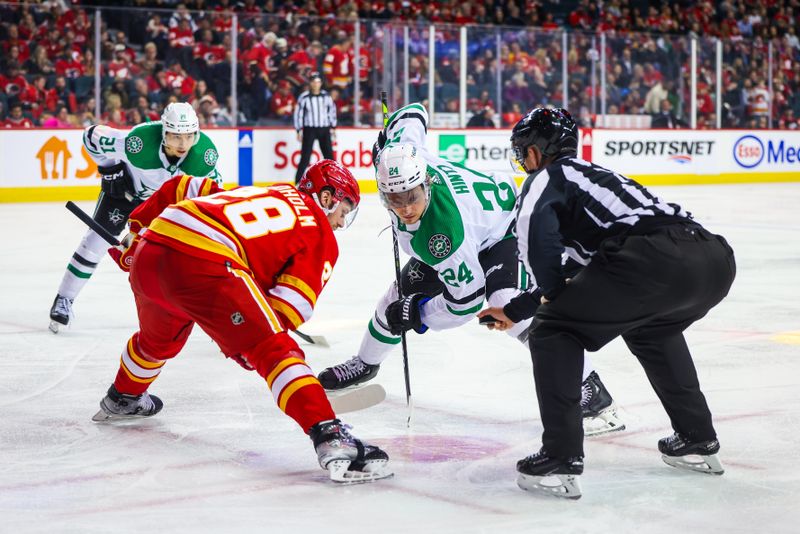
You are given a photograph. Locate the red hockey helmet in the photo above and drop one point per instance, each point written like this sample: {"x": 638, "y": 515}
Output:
{"x": 333, "y": 176}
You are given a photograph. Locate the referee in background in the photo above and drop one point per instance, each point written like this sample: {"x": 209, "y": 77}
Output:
{"x": 648, "y": 272}
{"x": 314, "y": 119}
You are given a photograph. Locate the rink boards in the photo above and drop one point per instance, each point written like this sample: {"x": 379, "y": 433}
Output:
{"x": 50, "y": 165}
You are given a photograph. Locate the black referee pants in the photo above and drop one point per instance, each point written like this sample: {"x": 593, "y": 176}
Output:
{"x": 648, "y": 289}
{"x": 310, "y": 134}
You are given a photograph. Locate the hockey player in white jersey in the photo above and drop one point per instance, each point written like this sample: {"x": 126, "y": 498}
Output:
{"x": 132, "y": 165}
{"x": 456, "y": 224}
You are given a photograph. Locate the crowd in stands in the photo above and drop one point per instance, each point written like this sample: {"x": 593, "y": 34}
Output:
{"x": 153, "y": 52}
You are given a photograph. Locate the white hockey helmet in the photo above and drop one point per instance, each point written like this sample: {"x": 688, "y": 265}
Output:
{"x": 180, "y": 118}
{"x": 400, "y": 169}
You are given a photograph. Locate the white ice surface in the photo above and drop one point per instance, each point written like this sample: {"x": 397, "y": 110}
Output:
{"x": 222, "y": 458}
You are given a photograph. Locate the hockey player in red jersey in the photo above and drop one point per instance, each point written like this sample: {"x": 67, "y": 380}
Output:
{"x": 247, "y": 266}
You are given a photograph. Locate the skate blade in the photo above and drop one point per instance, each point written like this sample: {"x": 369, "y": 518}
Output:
{"x": 709, "y": 465}
{"x": 352, "y": 400}
{"x": 340, "y": 472}
{"x": 102, "y": 417}
{"x": 603, "y": 423}
{"x": 562, "y": 486}
{"x": 54, "y": 327}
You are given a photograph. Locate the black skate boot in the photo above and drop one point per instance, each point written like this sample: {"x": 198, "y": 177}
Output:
{"x": 534, "y": 468}
{"x": 599, "y": 409}
{"x": 701, "y": 456}
{"x": 116, "y": 405}
{"x": 350, "y": 373}
{"x": 347, "y": 459}
{"x": 60, "y": 313}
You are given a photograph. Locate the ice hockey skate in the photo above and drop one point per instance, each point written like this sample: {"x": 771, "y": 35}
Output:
{"x": 117, "y": 406}
{"x": 60, "y": 313}
{"x": 347, "y": 459}
{"x": 600, "y": 415}
{"x": 551, "y": 476}
{"x": 701, "y": 456}
{"x": 347, "y": 374}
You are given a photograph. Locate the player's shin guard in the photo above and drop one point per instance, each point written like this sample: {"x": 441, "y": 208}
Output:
{"x": 298, "y": 393}
{"x": 136, "y": 370}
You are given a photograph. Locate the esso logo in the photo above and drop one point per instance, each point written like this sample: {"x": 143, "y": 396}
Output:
{"x": 748, "y": 151}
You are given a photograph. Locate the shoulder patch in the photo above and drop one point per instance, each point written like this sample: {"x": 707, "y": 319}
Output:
{"x": 439, "y": 245}
{"x": 134, "y": 144}
{"x": 210, "y": 156}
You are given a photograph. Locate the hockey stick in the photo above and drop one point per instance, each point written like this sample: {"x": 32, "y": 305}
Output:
{"x": 91, "y": 223}
{"x": 395, "y": 249}
{"x": 356, "y": 399}
{"x": 312, "y": 340}
{"x": 114, "y": 242}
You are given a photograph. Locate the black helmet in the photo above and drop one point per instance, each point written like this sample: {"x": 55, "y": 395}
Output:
{"x": 552, "y": 131}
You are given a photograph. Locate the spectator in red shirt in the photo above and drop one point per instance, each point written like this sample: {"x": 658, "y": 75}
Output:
{"x": 37, "y": 97}
{"x": 13, "y": 39}
{"x": 14, "y": 83}
{"x": 16, "y": 119}
{"x": 52, "y": 43}
{"x": 176, "y": 78}
{"x": 282, "y": 103}
{"x": 181, "y": 42}
{"x": 68, "y": 66}
{"x": 120, "y": 66}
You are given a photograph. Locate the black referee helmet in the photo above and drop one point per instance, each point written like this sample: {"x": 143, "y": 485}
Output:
{"x": 552, "y": 131}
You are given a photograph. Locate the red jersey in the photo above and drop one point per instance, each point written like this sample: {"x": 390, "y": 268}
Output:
{"x": 69, "y": 68}
{"x": 277, "y": 234}
{"x": 23, "y": 122}
{"x": 337, "y": 67}
{"x": 178, "y": 37}
{"x": 282, "y": 105}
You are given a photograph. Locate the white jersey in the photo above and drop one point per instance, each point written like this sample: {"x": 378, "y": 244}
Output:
{"x": 141, "y": 150}
{"x": 468, "y": 212}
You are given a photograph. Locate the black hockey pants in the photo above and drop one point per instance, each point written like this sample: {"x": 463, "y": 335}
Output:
{"x": 647, "y": 289}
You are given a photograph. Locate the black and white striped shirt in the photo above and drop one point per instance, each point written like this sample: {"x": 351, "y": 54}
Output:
{"x": 315, "y": 111}
{"x": 572, "y": 206}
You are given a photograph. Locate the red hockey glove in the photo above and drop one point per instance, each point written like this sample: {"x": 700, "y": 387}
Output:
{"x": 123, "y": 255}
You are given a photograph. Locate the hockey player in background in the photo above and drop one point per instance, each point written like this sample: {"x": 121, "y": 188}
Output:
{"x": 132, "y": 165}
{"x": 456, "y": 224}
{"x": 247, "y": 265}
{"x": 649, "y": 272}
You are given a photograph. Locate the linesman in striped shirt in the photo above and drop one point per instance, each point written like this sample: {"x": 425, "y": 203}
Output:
{"x": 637, "y": 267}
{"x": 314, "y": 120}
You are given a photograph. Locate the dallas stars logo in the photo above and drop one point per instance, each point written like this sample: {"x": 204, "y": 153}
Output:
{"x": 415, "y": 274}
{"x": 134, "y": 144}
{"x": 115, "y": 216}
{"x": 439, "y": 245}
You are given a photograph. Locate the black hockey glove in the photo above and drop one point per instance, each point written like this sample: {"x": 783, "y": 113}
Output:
{"x": 405, "y": 314}
{"x": 378, "y": 146}
{"x": 116, "y": 181}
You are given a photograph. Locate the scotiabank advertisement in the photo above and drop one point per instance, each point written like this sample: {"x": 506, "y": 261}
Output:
{"x": 276, "y": 153}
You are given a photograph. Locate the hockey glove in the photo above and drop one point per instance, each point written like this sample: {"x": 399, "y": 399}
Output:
{"x": 123, "y": 255}
{"x": 116, "y": 181}
{"x": 406, "y": 314}
{"x": 378, "y": 146}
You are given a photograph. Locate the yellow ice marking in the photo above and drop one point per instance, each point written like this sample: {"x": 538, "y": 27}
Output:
{"x": 790, "y": 338}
